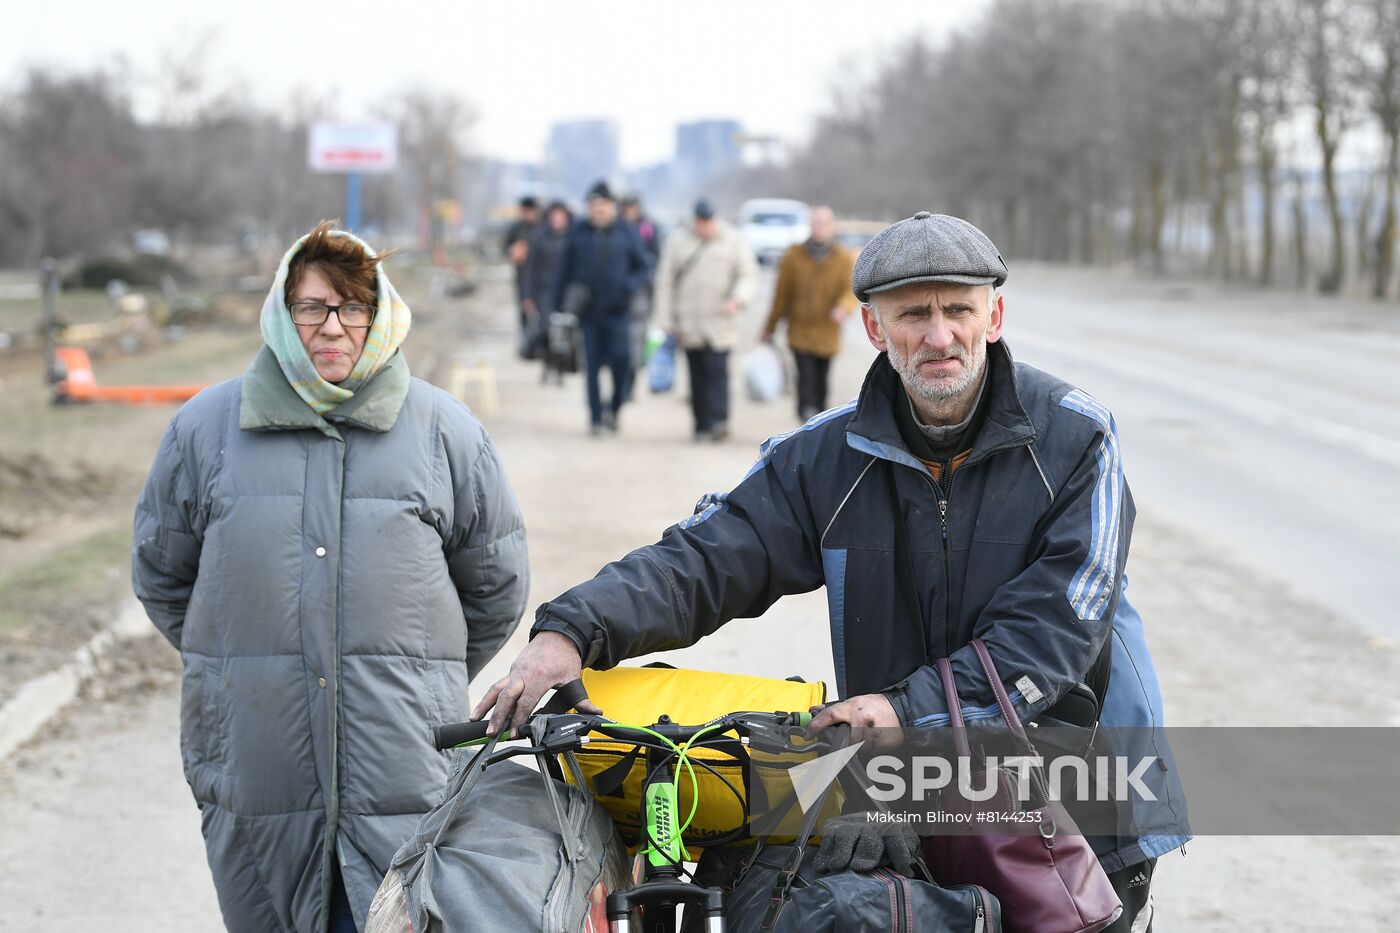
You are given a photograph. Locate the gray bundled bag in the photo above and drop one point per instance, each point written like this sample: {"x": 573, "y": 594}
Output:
{"x": 527, "y": 852}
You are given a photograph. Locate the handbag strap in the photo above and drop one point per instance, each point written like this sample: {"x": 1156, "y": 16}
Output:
{"x": 689, "y": 263}
{"x": 955, "y": 716}
{"x": 1008, "y": 712}
{"x": 788, "y": 873}
{"x": 469, "y": 776}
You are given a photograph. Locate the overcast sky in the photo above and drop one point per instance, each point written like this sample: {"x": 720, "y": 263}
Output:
{"x": 649, "y": 65}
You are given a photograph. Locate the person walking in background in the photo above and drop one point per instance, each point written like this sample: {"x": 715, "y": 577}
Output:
{"x": 635, "y": 214}
{"x": 541, "y": 270}
{"x": 517, "y": 249}
{"x": 813, "y": 295}
{"x": 604, "y": 264}
{"x": 643, "y": 302}
{"x": 333, "y": 548}
{"x": 706, "y": 277}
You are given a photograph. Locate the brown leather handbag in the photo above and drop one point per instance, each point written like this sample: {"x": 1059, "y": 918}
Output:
{"x": 1047, "y": 882}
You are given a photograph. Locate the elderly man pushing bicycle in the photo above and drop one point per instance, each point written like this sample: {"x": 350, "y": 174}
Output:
{"x": 986, "y": 493}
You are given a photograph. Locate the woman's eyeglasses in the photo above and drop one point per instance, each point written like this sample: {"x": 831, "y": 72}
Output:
{"x": 316, "y": 312}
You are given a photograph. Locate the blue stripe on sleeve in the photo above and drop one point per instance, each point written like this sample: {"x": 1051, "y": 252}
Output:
{"x": 1092, "y": 584}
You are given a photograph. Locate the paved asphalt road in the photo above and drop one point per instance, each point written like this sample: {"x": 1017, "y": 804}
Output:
{"x": 1271, "y": 431}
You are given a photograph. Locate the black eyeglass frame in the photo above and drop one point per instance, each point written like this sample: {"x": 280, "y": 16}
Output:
{"x": 373, "y": 313}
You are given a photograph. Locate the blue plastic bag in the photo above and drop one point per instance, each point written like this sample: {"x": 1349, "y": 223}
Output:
{"x": 661, "y": 368}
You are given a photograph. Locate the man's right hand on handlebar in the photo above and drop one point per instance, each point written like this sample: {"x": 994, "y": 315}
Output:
{"x": 550, "y": 660}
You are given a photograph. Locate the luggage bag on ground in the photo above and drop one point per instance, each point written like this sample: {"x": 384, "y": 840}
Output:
{"x": 561, "y": 350}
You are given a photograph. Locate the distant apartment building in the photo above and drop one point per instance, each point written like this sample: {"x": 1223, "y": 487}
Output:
{"x": 707, "y": 149}
{"x": 491, "y": 188}
{"x": 578, "y": 153}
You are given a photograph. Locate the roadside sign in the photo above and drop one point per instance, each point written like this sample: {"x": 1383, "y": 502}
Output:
{"x": 353, "y": 147}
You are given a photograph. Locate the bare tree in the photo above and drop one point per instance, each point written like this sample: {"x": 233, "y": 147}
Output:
{"x": 434, "y": 128}
{"x": 1267, "y": 50}
{"x": 69, "y": 175}
{"x": 1328, "y": 38}
{"x": 1383, "y": 86}
{"x": 1088, "y": 130}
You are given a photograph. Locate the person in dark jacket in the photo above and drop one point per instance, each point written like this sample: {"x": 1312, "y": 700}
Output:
{"x": 333, "y": 548}
{"x": 604, "y": 265}
{"x": 540, "y": 273}
{"x": 643, "y": 302}
{"x": 1009, "y": 487}
{"x": 546, "y": 254}
{"x": 516, "y": 245}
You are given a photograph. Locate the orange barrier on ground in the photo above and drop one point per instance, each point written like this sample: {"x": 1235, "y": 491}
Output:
{"x": 80, "y": 384}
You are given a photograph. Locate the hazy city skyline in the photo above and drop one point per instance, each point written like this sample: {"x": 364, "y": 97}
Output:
{"x": 646, "y": 65}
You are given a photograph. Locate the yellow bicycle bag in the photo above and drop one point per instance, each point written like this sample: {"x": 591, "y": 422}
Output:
{"x": 639, "y": 696}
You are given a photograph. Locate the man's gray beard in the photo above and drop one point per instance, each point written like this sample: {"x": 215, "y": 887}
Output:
{"x": 941, "y": 390}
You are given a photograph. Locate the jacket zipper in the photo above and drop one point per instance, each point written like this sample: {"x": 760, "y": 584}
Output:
{"x": 333, "y": 823}
{"x": 943, "y": 496}
{"x": 947, "y": 565}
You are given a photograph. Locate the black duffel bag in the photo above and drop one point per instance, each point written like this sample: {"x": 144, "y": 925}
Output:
{"x": 768, "y": 896}
{"x": 778, "y": 888}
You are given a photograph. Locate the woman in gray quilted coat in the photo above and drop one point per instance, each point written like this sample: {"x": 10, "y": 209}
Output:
{"x": 334, "y": 549}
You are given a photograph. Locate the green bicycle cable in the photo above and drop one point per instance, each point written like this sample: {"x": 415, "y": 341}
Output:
{"x": 682, "y": 760}
{"x": 683, "y": 753}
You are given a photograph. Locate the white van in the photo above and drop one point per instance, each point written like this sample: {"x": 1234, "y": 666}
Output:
{"x": 771, "y": 225}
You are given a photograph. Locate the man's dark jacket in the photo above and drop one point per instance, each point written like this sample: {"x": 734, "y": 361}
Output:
{"x": 610, "y": 261}
{"x": 1024, "y": 547}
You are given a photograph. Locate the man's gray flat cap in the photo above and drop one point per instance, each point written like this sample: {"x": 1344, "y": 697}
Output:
{"x": 927, "y": 248}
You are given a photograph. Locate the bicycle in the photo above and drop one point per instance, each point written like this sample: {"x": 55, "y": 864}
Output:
{"x": 661, "y": 850}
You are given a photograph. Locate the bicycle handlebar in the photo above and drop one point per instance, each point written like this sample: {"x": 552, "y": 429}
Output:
{"x": 451, "y": 734}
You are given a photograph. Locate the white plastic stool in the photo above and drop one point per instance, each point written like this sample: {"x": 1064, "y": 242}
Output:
{"x": 475, "y": 371}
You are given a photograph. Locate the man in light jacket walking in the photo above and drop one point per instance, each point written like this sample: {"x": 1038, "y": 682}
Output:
{"x": 705, "y": 278}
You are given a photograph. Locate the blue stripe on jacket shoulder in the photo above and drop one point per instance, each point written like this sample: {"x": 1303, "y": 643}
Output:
{"x": 1091, "y": 586}
{"x": 714, "y": 502}
{"x": 765, "y": 450}
{"x": 709, "y": 504}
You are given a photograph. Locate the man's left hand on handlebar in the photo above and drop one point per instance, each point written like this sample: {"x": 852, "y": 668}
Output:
{"x": 549, "y": 660}
{"x": 871, "y": 717}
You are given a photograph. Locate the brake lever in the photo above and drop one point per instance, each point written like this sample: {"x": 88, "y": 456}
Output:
{"x": 768, "y": 734}
{"x": 518, "y": 750}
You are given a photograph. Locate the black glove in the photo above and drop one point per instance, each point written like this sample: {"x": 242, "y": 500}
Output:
{"x": 856, "y": 842}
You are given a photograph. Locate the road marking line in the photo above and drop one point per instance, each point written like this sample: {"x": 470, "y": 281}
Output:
{"x": 1271, "y": 414}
